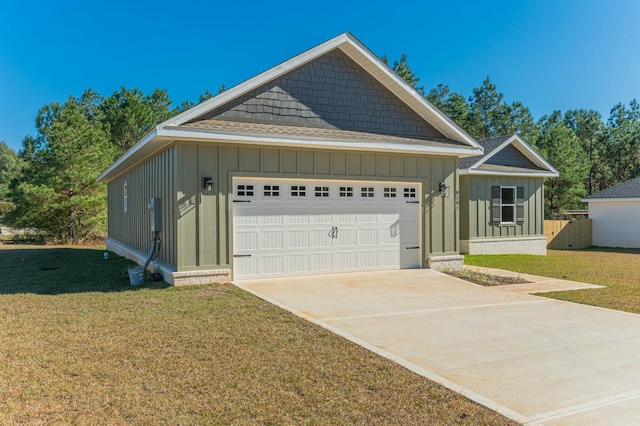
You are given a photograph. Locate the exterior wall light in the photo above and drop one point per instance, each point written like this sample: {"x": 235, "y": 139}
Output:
{"x": 207, "y": 184}
{"x": 444, "y": 189}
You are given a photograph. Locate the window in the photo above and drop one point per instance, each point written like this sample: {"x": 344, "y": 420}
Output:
{"x": 272, "y": 190}
{"x": 389, "y": 193}
{"x": 508, "y": 204}
{"x": 507, "y": 207}
{"x": 245, "y": 190}
{"x": 366, "y": 192}
{"x": 298, "y": 191}
{"x": 409, "y": 193}
{"x": 125, "y": 200}
{"x": 322, "y": 191}
{"x": 346, "y": 191}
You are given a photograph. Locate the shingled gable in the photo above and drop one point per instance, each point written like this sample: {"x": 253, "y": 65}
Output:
{"x": 304, "y": 102}
{"x": 507, "y": 156}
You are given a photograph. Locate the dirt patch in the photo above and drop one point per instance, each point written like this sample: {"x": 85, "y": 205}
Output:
{"x": 213, "y": 289}
{"x": 487, "y": 280}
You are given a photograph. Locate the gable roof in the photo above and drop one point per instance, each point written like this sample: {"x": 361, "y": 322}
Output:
{"x": 185, "y": 126}
{"x": 622, "y": 191}
{"x": 525, "y": 160}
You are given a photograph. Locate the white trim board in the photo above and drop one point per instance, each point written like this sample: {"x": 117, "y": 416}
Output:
{"x": 525, "y": 149}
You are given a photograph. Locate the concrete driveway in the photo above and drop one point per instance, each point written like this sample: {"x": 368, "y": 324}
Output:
{"x": 533, "y": 359}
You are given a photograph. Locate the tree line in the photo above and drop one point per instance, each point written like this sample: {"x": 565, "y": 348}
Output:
{"x": 50, "y": 184}
{"x": 591, "y": 154}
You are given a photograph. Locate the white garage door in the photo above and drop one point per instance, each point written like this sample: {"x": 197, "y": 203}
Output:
{"x": 296, "y": 227}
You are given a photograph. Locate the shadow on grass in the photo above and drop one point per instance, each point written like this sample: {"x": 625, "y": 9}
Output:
{"x": 611, "y": 250}
{"x": 57, "y": 270}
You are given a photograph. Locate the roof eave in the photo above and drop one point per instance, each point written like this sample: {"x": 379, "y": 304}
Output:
{"x": 131, "y": 152}
{"x": 610, "y": 200}
{"x": 537, "y": 174}
{"x": 193, "y": 134}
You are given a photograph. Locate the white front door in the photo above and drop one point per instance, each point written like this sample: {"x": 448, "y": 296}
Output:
{"x": 296, "y": 227}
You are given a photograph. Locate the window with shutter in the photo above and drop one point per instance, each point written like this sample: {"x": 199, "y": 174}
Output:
{"x": 507, "y": 205}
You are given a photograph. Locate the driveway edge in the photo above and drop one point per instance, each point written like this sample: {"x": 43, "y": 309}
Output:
{"x": 473, "y": 396}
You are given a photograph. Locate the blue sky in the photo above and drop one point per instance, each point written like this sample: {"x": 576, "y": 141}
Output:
{"x": 547, "y": 54}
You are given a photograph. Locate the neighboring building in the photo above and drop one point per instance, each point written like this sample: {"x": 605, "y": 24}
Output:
{"x": 615, "y": 215}
{"x": 502, "y": 199}
{"x": 327, "y": 162}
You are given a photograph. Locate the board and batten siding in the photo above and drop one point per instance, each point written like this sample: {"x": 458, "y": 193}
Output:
{"x": 153, "y": 178}
{"x": 475, "y": 214}
{"x": 204, "y": 221}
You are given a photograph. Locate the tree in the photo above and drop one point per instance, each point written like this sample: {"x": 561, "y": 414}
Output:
{"x": 588, "y": 127}
{"x": 454, "y": 105}
{"x": 10, "y": 168}
{"x": 561, "y": 147}
{"x": 521, "y": 122}
{"x": 60, "y": 195}
{"x": 489, "y": 114}
{"x": 131, "y": 114}
{"x": 403, "y": 69}
{"x": 623, "y": 142}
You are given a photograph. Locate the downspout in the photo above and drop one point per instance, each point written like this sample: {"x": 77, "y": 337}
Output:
{"x": 154, "y": 245}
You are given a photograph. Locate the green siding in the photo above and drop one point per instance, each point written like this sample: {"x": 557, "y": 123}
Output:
{"x": 475, "y": 214}
{"x": 154, "y": 178}
{"x": 464, "y": 207}
{"x": 204, "y": 221}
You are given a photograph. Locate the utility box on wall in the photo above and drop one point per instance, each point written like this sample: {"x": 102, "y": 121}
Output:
{"x": 156, "y": 215}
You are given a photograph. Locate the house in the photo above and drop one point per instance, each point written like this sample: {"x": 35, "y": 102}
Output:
{"x": 327, "y": 162}
{"x": 615, "y": 215}
{"x": 502, "y": 199}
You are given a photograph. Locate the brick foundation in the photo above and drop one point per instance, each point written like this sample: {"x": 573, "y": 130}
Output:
{"x": 169, "y": 275}
{"x": 516, "y": 245}
{"x": 440, "y": 263}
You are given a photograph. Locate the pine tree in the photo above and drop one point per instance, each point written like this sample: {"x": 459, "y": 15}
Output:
{"x": 60, "y": 195}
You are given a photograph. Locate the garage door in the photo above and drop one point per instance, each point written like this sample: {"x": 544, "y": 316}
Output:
{"x": 295, "y": 227}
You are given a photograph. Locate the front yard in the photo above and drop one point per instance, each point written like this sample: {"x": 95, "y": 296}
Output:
{"x": 618, "y": 270}
{"x": 79, "y": 345}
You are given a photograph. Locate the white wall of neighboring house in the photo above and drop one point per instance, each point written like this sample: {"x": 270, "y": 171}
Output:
{"x": 615, "y": 223}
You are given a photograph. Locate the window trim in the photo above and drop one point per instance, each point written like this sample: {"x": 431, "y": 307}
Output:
{"x": 513, "y": 205}
{"x": 496, "y": 205}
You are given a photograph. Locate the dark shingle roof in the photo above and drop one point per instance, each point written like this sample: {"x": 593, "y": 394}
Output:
{"x": 503, "y": 168}
{"x": 489, "y": 146}
{"x": 628, "y": 189}
{"x": 241, "y": 127}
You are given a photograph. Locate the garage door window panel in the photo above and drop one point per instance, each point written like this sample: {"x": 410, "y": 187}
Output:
{"x": 298, "y": 191}
{"x": 367, "y": 192}
{"x": 322, "y": 191}
{"x": 245, "y": 191}
{"x": 271, "y": 190}
{"x": 346, "y": 191}
{"x": 389, "y": 193}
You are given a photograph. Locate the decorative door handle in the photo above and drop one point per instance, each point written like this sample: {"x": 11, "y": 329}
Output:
{"x": 333, "y": 233}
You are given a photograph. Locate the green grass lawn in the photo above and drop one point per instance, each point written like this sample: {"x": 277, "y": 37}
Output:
{"x": 79, "y": 345}
{"x": 617, "y": 269}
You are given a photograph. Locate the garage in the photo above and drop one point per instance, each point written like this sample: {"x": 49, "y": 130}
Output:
{"x": 299, "y": 226}
{"x": 327, "y": 162}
